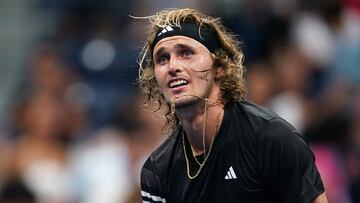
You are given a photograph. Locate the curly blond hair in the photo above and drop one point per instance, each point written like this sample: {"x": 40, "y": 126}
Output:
{"x": 229, "y": 58}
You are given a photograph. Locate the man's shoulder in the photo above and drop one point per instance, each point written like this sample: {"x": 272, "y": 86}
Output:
{"x": 161, "y": 156}
{"x": 267, "y": 124}
{"x": 254, "y": 115}
{"x": 256, "y": 111}
{"x": 262, "y": 122}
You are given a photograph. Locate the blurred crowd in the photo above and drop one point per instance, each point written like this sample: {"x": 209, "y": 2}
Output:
{"x": 77, "y": 130}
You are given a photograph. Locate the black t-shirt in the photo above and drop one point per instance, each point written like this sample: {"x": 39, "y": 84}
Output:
{"x": 256, "y": 157}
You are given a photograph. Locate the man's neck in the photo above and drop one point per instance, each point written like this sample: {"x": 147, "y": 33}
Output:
{"x": 201, "y": 119}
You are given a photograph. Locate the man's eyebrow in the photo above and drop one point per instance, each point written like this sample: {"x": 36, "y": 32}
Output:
{"x": 161, "y": 49}
{"x": 177, "y": 46}
{"x": 182, "y": 46}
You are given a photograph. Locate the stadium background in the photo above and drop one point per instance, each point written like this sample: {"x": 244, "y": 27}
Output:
{"x": 71, "y": 130}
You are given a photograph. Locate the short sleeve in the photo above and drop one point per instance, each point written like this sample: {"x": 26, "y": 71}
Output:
{"x": 287, "y": 164}
{"x": 151, "y": 191}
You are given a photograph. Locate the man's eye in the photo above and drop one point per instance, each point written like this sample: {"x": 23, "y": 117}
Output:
{"x": 186, "y": 53}
{"x": 161, "y": 59}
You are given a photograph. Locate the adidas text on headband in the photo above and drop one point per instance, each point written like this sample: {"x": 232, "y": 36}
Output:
{"x": 204, "y": 35}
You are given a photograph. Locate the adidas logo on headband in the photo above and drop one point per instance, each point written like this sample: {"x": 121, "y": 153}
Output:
{"x": 203, "y": 34}
{"x": 165, "y": 30}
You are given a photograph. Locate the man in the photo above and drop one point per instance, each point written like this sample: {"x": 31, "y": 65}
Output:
{"x": 222, "y": 148}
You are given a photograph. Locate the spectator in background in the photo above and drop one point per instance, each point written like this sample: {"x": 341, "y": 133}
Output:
{"x": 40, "y": 154}
{"x": 119, "y": 151}
{"x": 45, "y": 125}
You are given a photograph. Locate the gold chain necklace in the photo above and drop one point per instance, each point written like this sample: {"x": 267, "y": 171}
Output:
{"x": 206, "y": 155}
{"x": 193, "y": 153}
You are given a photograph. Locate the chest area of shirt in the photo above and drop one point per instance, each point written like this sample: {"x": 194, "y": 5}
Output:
{"x": 229, "y": 175}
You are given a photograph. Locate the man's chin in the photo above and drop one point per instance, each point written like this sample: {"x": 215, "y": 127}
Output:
{"x": 183, "y": 101}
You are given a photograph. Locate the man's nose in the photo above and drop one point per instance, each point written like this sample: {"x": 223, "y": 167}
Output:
{"x": 174, "y": 66}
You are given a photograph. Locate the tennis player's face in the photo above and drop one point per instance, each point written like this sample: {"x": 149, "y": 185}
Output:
{"x": 184, "y": 70}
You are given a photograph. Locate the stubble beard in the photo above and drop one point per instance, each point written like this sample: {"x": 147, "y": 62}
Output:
{"x": 184, "y": 101}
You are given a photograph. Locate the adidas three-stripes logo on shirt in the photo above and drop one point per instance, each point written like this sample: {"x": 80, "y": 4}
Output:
{"x": 230, "y": 174}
